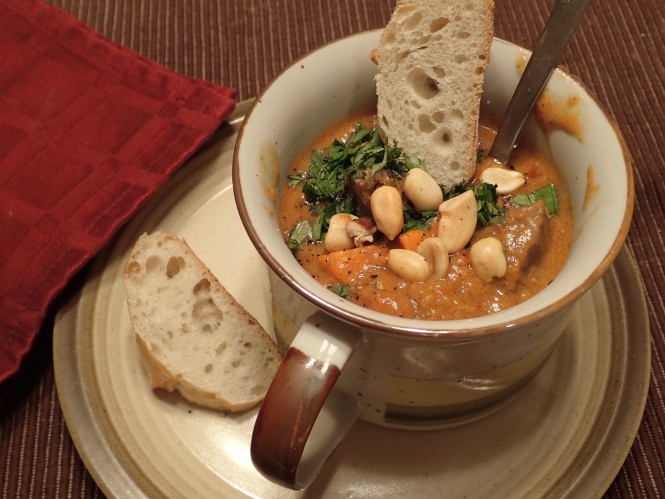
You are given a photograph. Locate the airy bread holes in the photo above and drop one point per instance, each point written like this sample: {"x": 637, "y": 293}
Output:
{"x": 423, "y": 85}
{"x": 153, "y": 264}
{"x": 438, "y": 117}
{"x": 133, "y": 268}
{"x": 425, "y": 125}
{"x": 439, "y": 72}
{"x": 446, "y": 137}
{"x": 174, "y": 265}
{"x": 438, "y": 24}
{"x": 399, "y": 57}
{"x": 413, "y": 21}
{"x": 189, "y": 328}
{"x": 460, "y": 58}
{"x": 203, "y": 286}
{"x": 206, "y": 311}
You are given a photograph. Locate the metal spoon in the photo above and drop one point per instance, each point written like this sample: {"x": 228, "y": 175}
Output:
{"x": 562, "y": 22}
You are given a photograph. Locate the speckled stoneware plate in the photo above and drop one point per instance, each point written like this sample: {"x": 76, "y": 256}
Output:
{"x": 566, "y": 434}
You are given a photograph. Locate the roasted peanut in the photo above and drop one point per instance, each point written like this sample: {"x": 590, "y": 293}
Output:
{"x": 361, "y": 230}
{"x": 457, "y": 221}
{"x": 408, "y": 264}
{"x": 336, "y": 238}
{"x": 488, "y": 259}
{"x": 436, "y": 254}
{"x": 386, "y": 205}
{"x": 422, "y": 190}
{"x": 505, "y": 180}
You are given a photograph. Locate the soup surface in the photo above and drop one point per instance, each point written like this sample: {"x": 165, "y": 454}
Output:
{"x": 535, "y": 237}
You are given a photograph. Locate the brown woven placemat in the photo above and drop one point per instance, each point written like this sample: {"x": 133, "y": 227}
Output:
{"x": 617, "y": 50}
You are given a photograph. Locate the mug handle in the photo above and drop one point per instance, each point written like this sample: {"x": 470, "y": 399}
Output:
{"x": 302, "y": 419}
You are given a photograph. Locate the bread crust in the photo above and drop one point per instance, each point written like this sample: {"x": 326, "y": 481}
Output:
{"x": 192, "y": 335}
{"x": 432, "y": 58}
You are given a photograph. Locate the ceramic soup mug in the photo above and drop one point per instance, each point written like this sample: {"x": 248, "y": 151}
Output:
{"x": 344, "y": 362}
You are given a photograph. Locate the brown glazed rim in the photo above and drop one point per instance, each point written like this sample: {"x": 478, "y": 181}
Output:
{"x": 437, "y": 328}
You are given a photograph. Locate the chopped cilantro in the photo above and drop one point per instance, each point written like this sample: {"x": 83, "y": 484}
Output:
{"x": 489, "y": 211}
{"x": 329, "y": 170}
{"x": 415, "y": 162}
{"x": 341, "y": 290}
{"x": 326, "y": 212}
{"x": 296, "y": 179}
{"x": 548, "y": 194}
{"x": 301, "y": 232}
{"x": 417, "y": 220}
{"x": 456, "y": 190}
{"x": 324, "y": 184}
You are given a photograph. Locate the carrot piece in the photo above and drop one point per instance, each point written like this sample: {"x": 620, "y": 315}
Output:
{"x": 411, "y": 239}
{"x": 350, "y": 265}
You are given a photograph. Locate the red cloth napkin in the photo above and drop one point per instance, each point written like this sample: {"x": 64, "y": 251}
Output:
{"x": 88, "y": 131}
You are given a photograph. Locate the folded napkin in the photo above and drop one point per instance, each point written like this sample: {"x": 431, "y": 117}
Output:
{"x": 88, "y": 132}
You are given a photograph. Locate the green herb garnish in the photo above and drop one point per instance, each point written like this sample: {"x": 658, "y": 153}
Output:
{"x": 489, "y": 211}
{"x": 329, "y": 171}
{"x": 547, "y": 194}
{"x": 296, "y": 179}
{"x": 324, "y": 184}
{"x": 421, "y": 220}
{"x": 326, "y": 212}
{"x": 301, "y": 232}
{"x": 341, "y": 290}
{"x": 415, "y": 162}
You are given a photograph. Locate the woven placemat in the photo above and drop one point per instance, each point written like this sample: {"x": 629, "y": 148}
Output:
{"x": 617, "y": 52}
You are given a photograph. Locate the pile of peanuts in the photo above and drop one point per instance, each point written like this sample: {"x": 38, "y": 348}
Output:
{"x": 457, "y": 223}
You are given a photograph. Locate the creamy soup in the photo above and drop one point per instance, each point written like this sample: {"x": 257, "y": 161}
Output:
{"x": 533, "y": 225}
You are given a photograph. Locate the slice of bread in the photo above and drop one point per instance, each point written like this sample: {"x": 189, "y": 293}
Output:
{"x": 192, "y": 335}
{"x": 432, "y": 58}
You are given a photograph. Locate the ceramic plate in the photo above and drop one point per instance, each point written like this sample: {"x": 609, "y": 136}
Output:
{"x": 567, "y": 433}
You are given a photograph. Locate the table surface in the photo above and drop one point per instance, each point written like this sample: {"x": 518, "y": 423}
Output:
{"x": 617, "y": 51}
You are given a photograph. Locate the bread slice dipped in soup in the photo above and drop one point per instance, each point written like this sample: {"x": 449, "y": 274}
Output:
{"x": 372, "y": 225}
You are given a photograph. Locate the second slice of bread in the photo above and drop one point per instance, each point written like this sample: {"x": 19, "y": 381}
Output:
{"x": 432, "y": 57}
{"x": 192, "y": 335}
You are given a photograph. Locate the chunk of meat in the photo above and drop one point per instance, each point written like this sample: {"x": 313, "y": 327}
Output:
{"x": 522, "y": 236}
{"x": 362, "y": 187}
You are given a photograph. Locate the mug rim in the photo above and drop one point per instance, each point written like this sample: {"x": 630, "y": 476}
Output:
{"x": 424, "y": 327}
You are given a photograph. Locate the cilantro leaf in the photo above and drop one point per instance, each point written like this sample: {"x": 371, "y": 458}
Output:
{"x": 417, "y": 220}
{"x": 301, "y": 232}
{"x": 341, "y": 290}
{"x": 548, "y": 194}
{"x": 326, "y": 176}
{"x": 326, "y": 212}
{"x": 489, "y": 212}
{"x": 296, "y": 179}
{"x": 456, "y": 190}
{"x": 415, "y": 162}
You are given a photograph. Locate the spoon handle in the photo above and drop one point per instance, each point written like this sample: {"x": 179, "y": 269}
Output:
{"x": 562, "y": 22}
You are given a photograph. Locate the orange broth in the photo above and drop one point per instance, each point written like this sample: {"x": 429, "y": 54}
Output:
{"x": 460, "y": 293}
